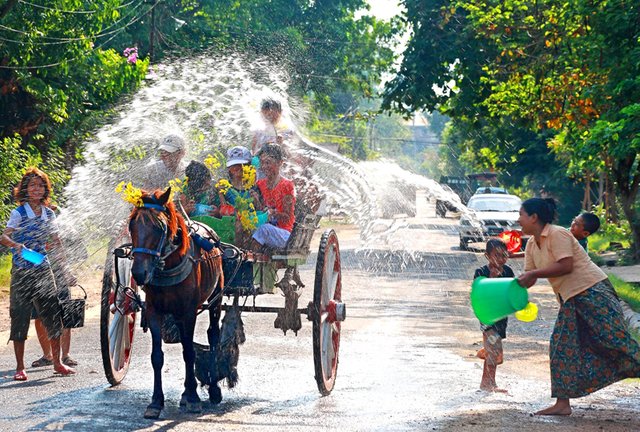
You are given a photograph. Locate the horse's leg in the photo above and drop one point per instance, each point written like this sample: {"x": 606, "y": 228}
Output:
{"x": 213, "y": 335}
{"x": 190, "y": 396}
{"x": 157, "y": 360}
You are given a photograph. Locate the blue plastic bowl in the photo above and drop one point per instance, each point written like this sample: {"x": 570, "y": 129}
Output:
{"x": 202, "y": 210}
{"x": 263, "y": 218}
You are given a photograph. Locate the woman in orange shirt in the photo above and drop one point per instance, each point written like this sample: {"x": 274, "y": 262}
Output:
{"x": 590, "y": 347}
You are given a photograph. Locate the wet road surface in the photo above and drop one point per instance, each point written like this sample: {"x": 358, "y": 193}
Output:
{"x": 406, "y": 361}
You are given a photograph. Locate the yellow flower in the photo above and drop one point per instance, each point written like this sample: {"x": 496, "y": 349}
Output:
{"x": 223, "y": 186}
{"x": 248, "y": 176}
{"x": 176, "y": 185}
{"x": 246, "y": 212}
{"x": 130, "y": 193}
{"x": 212, "y": 162}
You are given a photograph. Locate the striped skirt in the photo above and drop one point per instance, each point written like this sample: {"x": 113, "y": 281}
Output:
{"x": 591, "y": 346}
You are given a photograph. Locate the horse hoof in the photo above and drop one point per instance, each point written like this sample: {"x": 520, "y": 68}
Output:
{"x": 183, "y": 401}
{"x": 152, "y": 413}
{"x": 215, "y": 395}
{"x": 194, "y": 407}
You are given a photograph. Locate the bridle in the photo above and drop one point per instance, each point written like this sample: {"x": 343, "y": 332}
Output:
{"x": 157, "y": 253}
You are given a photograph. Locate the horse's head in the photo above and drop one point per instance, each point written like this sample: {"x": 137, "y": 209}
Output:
{"x": 154, "y": 228}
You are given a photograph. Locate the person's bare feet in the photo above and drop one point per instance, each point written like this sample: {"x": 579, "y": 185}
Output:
{"x": 63, "y": 370}
{"x": 493, "y": 388}
{"x": 561, "y": 408}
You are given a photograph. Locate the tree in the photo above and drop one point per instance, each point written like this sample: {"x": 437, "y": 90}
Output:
{"x": 567, "y": 71}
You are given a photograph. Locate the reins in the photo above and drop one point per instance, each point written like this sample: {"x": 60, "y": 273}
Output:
{"x": 159, "y": 258}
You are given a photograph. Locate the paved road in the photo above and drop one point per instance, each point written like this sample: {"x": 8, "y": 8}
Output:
{"x": 406, "y": 361}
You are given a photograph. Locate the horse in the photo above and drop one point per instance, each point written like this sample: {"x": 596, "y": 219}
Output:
{"x": 177, "y": 278}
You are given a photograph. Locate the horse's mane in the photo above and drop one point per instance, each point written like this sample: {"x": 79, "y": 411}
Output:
{"x": 175, "y": 222}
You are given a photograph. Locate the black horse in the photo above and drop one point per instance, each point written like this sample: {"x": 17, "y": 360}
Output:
{"x": 177, "y": 278}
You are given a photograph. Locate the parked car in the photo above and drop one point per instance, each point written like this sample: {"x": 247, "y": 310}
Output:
{"x": 488, "y": 216}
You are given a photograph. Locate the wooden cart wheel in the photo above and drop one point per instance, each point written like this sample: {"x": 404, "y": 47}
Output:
{"x": 327, "y": 312}
{"x": 117, "y": 324}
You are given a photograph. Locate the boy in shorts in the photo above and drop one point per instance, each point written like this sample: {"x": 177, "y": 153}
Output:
{"x": 496, "y": 254}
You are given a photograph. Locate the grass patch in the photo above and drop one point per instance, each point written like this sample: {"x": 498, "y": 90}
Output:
{"x": 600, "y": 242}
{"x": 5, "y": 274}
{"x": 628, "y": 292}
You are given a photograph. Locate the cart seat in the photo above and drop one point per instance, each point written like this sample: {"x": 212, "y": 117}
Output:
{"x": 297, "y": 246}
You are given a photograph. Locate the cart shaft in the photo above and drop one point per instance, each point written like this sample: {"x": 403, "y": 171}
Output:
{"x": 262, "y": 309}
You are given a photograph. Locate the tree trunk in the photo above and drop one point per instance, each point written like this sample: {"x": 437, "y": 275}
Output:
{"x": 7, "y": 7}
{"x": 601, "y": 188}
{"x": 634, "y": 223}
{"x": 628, "y": 184}
{"x": 586, "y": 199}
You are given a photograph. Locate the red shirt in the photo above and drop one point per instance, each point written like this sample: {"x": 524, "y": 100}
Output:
{"x": 274, "y": 198}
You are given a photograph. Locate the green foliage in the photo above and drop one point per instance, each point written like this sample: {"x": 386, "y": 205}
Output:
{"x": 12, "y": 162}
{"x": 628, "y": 292}
{"x": 562, "y": 73}
{"x": 618, "y": 232}
{"x": 5, "y": 274}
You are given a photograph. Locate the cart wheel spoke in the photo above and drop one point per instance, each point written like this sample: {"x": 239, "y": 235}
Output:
{"x": 328, "y": 352}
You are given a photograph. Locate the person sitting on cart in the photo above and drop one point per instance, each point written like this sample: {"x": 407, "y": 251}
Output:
{"x": 238, "y": 158}
{"x": 243, "y": 195}
{"x": 199, "y": 197}
{"x": 278, "y": 194}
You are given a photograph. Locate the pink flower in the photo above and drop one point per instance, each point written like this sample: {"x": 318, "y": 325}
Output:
{"x": 131, "y": 54}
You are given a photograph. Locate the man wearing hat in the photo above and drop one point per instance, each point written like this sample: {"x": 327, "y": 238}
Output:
{"x": 169, "y": 166}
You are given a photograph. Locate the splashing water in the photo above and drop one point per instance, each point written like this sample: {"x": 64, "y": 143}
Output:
{"x": 214, "y": 103}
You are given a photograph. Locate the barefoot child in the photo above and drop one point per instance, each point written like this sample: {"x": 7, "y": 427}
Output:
{"x": 583, "y": 226}
{"x": 497, "y": 254}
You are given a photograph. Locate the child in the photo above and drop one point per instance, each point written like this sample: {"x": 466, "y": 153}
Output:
{"x": 241, "y": 194}
{"x": 199, "y": 197}
{"x": 237, "y": 158}
{"x": 497, "y": 254}
{"x": 278, "y": 197}
{"x": 275, "y": 129}
{"x": 583, "y": 226}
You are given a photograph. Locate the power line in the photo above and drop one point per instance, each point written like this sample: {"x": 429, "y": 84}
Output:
{"x": 76, "y": 39}
{"x": 70, "y": 11}
{"x": 115, "y": 33}
{"x": 434, "y": 142}
{"x": 56, "y": 10}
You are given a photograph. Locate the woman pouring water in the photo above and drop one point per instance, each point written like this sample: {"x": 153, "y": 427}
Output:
{"x": 31, "y": 225}
{"x": 590, "y": 346}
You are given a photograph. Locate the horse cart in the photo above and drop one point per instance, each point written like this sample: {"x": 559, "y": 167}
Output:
{"x": 124, "y": 303}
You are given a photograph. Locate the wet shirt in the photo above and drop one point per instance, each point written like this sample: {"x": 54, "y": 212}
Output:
{"x": 499, "y": 326}
{"x": 557, "y": 243}
{"x": 157, "y": 175}
{"x": 268, "y": 134}
{"x": 32, "y": 231}
{"x": 274, "y": 198}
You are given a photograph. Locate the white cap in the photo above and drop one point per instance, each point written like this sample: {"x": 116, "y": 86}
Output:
{"x": 238, "y": 155}
{"x": 171, "y": 143}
